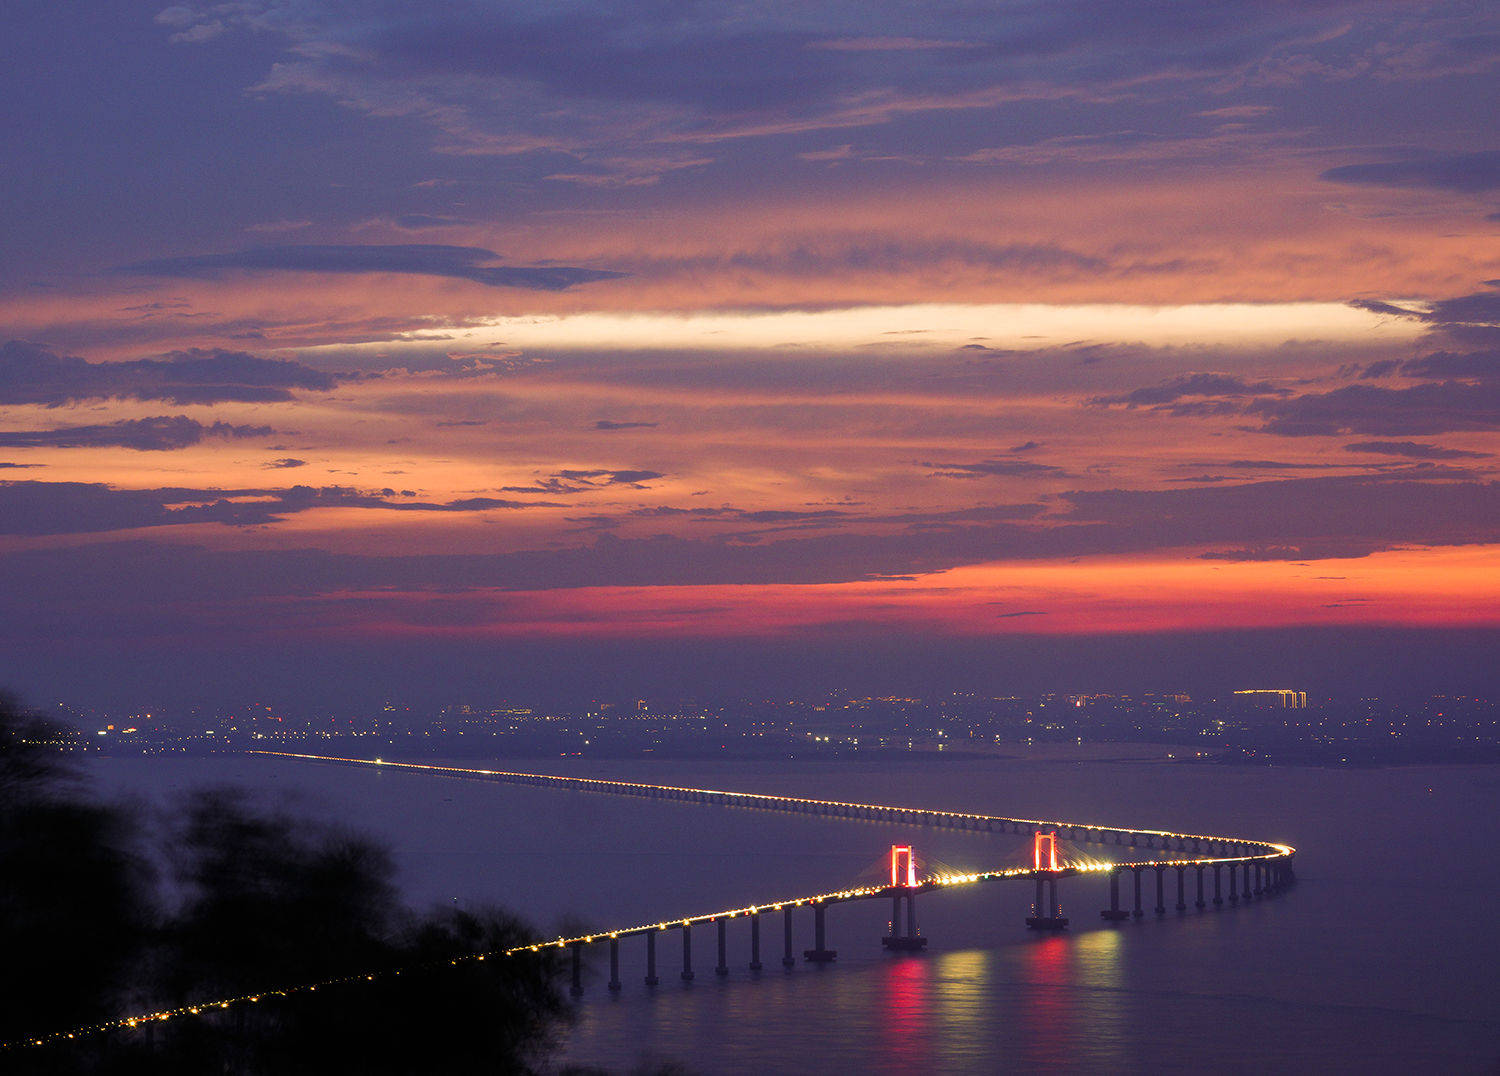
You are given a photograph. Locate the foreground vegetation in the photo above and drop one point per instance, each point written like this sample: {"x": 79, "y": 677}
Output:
{"x": 109, "y": 910}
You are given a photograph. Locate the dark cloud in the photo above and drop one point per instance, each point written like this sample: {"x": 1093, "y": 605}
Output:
{"x": 160, "y": 434}
{"x": 634, "y": 93}
{"x": 898, "y": 254}
{"x": 1024, "y": 612}
{"x": 1266, "y": 465}
{"x": 990, "y": 469}
{"x": 423, "y": 259}
{"x": 604, "y": 54}
{"x": 946, "y": 519}
{"x": 1435, "y": 407}
{"x": 789, "y": 515}
{"x": 1377, "y": 369}
{"x": 171, "y": 590}
{"x": 1211, "y": 385}
{"x": 32, "y": 374}
{"x": 35, "y": 508}
{"x": 580, "y": 481}
{"x": 596, "y": 522}
{"x": 87, "y": 508}
{"x": 1343, "y": 515}
{"x": 1300, "y": 519}
{"x": 1480, "y": 308}
{"x": 1461, "y": 389}
{"x": 1470, "y": 365}
{"x": 285, "y": 463}
{"x": 1376, "y": 306}
{"x": 609, "y": 424}
{"x": 1476, "y": 308}
{"x": 18, "y": 466}
{"x": 1416, "y": 451}
{"x": 1274, "y": 552}
{"x": 1466, "y": 173}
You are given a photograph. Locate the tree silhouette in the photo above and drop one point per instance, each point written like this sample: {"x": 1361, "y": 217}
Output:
{"x": 75, "y": 913}
{"x": 274, "y": 902}
{"x": 260, "y": 901}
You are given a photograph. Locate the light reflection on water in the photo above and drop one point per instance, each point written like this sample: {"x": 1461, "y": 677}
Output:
{"x": 906, "y": 1003}
{"x": 1349, "y": 970}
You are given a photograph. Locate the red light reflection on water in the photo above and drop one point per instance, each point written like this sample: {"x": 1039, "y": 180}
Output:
{"x": 1046, "y": 1008}
{"x": 906, "y": 1008}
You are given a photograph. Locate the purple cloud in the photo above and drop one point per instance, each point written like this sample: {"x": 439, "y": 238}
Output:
{"x": 33, "y": 374}
{"x": 1434, "y": 407}
{"x": 1466, "y": 173}
{"x": 990, "y": 469}
{"x": 93, "y": 507}
{"x": 1416, "y": 451}
{"x": 422, "y": 259}
{"x": 1207, "y": 385}
{"x": 160, "y": 434}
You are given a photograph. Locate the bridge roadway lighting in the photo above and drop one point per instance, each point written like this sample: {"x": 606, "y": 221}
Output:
{"x": 1271, "y": 861}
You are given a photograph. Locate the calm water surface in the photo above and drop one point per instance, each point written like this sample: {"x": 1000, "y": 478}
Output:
{"x": 1384, "y": 958}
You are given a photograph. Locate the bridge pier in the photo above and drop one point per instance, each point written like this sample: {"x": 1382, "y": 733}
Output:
{"x": 1161, "y": 900}
{"x": 819, "y": 953}
{"x": 911, "y": 941}
{"x": 1114, "y": 913}
{"x": 755, "y": 964}
{"x": 1048, "y": 916}
{"x": 1218, "y": 893}
{"x": 1136, "y": 875}
{"x": 687, "y": 952}
{"x": 614, "y": 964}
{"x": 787, "y": 960}
{"x": 722, "y": 967}
{"x": 1259, "y": 879}
{"x": 1234, "y": 893}
{"x": 651, "y": 979}
{"x": 576, "y": 987}
{"x": 1199, "y": 902}
{"x": 1181, "y": 897}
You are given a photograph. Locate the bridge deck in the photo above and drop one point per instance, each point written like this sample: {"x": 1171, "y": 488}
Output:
{"x": 1202, "y": 850}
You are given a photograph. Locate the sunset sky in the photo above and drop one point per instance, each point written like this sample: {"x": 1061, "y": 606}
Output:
{"x": 473, "y": 349}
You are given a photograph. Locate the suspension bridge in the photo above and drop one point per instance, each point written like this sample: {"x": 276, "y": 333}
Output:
{"x": 1231, "y": 869}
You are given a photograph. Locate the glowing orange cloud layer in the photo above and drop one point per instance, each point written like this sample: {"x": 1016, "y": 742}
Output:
{"x": 1410, "y": 588}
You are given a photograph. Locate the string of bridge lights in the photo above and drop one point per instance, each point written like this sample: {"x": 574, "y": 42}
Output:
{"x": 925, "y": 884}
{"x": 747, "y": 798}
